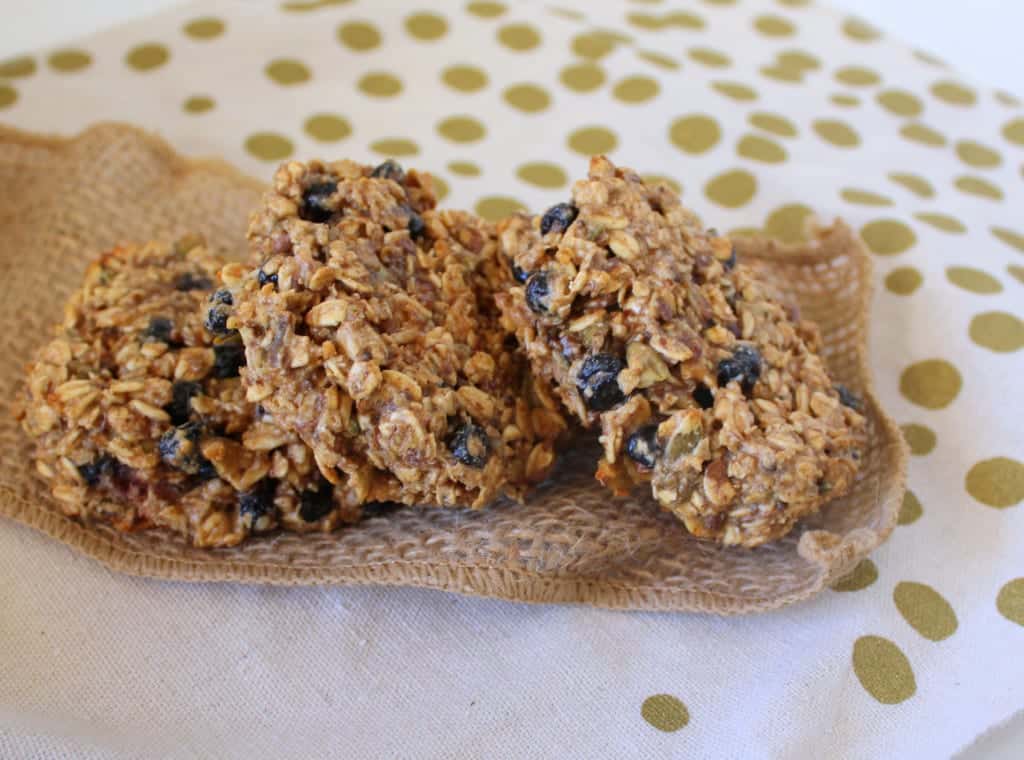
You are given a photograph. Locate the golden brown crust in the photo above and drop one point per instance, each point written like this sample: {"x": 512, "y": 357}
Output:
{"x": 371, "y": 332}
{"x": 701, "y": 381}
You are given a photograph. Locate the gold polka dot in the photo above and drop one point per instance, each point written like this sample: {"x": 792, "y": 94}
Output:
{"x": 735, "y": 90}
{"x": 859, "y": 30}
{"x": 864, "y": 197}
{"x": 568, "y": 13}
{"x": 837, "y": 133}
{"x": 593, "y": 45}
{"x": 943, "y": 222}
{"x": 1007, "y": 99}
{"x": 592, "y": 140}
{"x": 845, "y": 100}
{"x": 954, "y": 93}
{"x": 709, "y": 57}
{"x": 426, "y": 26}
{"x": 888, "y": 236}
{"x": 486, "y": 10}
{"x": 651, "y": 22}
{"x": 791, "y": 3}
{"x": 464, "y": 78}
{"x": 862, "y": 576}
{"x": 658, "y": 59}
{"x": 774, "y": 26}
{"x": 997, "y": 331}
{"x": 857, "y": 76}
{"x": 395, "y": 146}
{"x": 800, "y": 60}
{"x": 359, "y": 36}
{"x": 327, "y": 127}
{"x": 782, "y": 74}
{"x": 738, "y": 232}
{"x": 304, "y": 6}
{"x": 519, "y": 37}
{"x": 919, "y": 133}
{"x": 774, "y": 123}
{"x": 976, "y": 154}
{"x": 788, "y": 223}
{"x": 645, "y": 21}
{"x": 636, "y": 89}
{"x": 932, "y": 383}
{"x": 461, "y": 129}
{"x": 920, "y": 439}
{"x": 268, "y": 146}
{"x": 910, "y": 510}
{"x": 665, "y": 712}
{"x": 903, "y": 281}
{"x": 1009, "y": 237}
{"x": 288, "y": 71}
{"x": 915, "y": 184}
{"x": 883, "y": 670}
{"x": 925, "y": 610}
{"x": 1017, "y": 272}
{"x": 495, "y": 207}
{"x": 22, "y": 66}
{"x": 695, "y": 134}
{"x": 1013, "y": 131}
{"x": 930, "y": 59}
{"x": 206, "y": 28}
{"x": 759, "y": 148}
{"x": 542, "y": 174}
{"x": 996, "y": 482}
{"x": 973, "y": 280}
{"x": 69, "y": 60}
{"x": 900, "y": 102}
{"x": 979, "y": 187}
{"x": 1010, "y": 601}
{"x": 582, "y": 77}
{"x": 198, "y": 104}
{"x": 441, "y": 188}
{"x": 8, "y": 95}
{"x": 464, "y": 168}
{"x": 147, "y": 57}
{"x": 731, "y": 189}
{"x": 530, "y": 98}
{"x": 654, "y": 179}
{"x": 380, "y": 84}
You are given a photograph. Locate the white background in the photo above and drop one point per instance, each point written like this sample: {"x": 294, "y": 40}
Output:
{"x": 980, "y": 38}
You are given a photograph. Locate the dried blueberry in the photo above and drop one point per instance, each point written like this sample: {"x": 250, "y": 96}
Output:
{"x": 316, "y": 504}
{"x": 159, "y": 329}
{"x": 217, "y": 319}
{"x": 92, "y": 471}
{"x": 538, "y": 292}
{"x": 390, "y": 169}
{"x": 190, "y": 281}
{"x": 703, "y": 396}
{"x": 263, "y": 278}
{"x": 379, "y": 508}
{"x": 416, "y": 225}
{"x": 598, "y": 382}
{"x": 181, "y": 401}
{"x": 519, "y": 273}
{"x": 743, "y": 366}
{"x": 730, "y": 262}
{"x": 257, "y": 502}
{"x": 470, "y": 446}
{"x": 643, "y": 447}
{"x": 224, "y": 297}
{"x": 848, "y": 397}
{"x": 179, "y": 448}
{"x": 315, "y": 206}
{"x": 558, "y": 218}
{"x": 206, "y": 469}
{"x": 227, "y": 358}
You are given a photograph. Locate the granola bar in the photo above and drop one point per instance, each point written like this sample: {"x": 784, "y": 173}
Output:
{"x": 140, "y": 419}
{"x": 370, "y": 331}
{"x": 703, "y": 384}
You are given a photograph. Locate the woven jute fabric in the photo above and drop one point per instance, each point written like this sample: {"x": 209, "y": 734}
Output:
{"x": 63, "y": 201}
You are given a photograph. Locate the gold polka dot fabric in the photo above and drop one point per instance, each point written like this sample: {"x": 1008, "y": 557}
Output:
{"x": 766, "y": 114}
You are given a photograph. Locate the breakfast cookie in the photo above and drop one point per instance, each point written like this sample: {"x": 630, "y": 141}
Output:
{"x": 371, "y": 331}
{"x": 139, "y": 415}
{"x": 702, "y": 382}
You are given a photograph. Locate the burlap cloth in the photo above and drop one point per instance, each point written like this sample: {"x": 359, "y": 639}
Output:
{"x": 62, "y": 201}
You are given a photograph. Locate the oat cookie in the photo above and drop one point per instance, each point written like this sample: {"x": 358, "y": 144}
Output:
{"x": 371, "y": 332}
{"x": 703, "y": 384}
{"x": 139, "y": 416}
